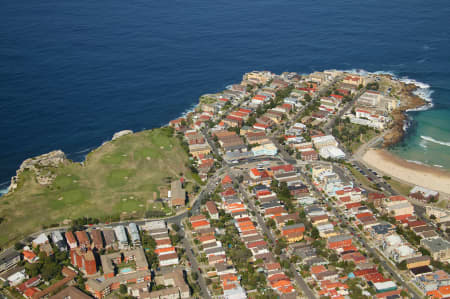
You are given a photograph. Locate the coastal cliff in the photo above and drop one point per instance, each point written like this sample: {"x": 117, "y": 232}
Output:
{"x": 41, "y": 167}
{"x": 121, "y": 179}
{"x": 408, "y": 100}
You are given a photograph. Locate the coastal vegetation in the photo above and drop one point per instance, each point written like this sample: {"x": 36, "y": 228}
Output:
{"x": 121, "y": 179}
{"x": 352, "y": 136}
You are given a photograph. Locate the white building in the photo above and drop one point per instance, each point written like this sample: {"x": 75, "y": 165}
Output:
{"x": 331, "y": 152}
{"x": 268, "y": 149}
{"x": 322, "y": 141}
{"x": 134, "y": 234}
{"x": 121, "y": 236}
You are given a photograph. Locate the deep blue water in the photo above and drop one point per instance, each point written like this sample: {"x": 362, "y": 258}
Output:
{"x": 74, "y": 72}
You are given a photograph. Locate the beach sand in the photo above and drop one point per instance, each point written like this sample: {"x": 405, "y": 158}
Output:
{"x": 415, "y": 174}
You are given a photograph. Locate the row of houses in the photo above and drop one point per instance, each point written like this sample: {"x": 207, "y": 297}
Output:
{"x": 251, "y": 236}
{"x": 222, "y": 268}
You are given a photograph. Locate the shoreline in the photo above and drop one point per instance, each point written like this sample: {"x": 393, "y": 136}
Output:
{"x": 423, "y": 175}
{"x": 410, "y": 102}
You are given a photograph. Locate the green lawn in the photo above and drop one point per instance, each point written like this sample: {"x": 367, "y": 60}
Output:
{"x": 400, "y": 187}
{"x": 119, "y": 178}
{"x": 359, "y": 177}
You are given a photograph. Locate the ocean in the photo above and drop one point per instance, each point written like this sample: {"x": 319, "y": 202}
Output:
{"x": 74, "y": 72}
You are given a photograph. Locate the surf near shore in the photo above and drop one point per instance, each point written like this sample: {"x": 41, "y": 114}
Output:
{"x": 413, "y": 173}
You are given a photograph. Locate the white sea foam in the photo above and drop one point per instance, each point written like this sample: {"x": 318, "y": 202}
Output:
{"x": 437, "y": 165}
{"x": 4, "y": 189}
{"x": 363, "y": 72}
{"x": 423, "y": 144}
{"x": 416, "y": 162}
{"x": 431, "y": 139}
{"x": 84, "y": 151}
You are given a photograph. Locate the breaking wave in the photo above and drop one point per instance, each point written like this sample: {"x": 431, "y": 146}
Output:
{"x": 423, "y": 90}
{"x": 416, "y": 162}
{"x": 431, "y": 139}
{"x": 4, "y": 188}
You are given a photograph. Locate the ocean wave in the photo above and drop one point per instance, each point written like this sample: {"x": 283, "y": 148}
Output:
{"x": 4, "y": 191}
{"x": 363, "y": 72}
{"x": 421, "y": 108}
{"x": 423, "y": 144}
{"x": 437, "y": 165}
{"x": 419, "y": 84}
{"x": 4, "y": 188}
{"x": 83, "y": 151}
{"x": 431, "y": 139}
{"x": 416, "y": 162}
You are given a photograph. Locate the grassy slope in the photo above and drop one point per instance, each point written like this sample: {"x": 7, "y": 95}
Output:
{"x": 117, "y": 177}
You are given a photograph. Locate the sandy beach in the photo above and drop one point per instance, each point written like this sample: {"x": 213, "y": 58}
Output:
{"x": 422, "y": 175}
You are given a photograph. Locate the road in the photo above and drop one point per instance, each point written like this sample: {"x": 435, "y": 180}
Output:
{"x": 374, "y": 252}
{"x": 298, "y": 278}
{"x": 194, "y": 264}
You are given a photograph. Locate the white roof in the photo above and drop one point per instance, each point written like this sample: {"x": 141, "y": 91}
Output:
{"x": 393, "y": 240}
{"x": 405, "y": 250}
{"x": 57, "y": 236}
{"x": 17, "y": 277}
{"x": 134, "y": 232}
{"x": 154, "y": 225}
{"x": 384, "y": 285}
{"x": 331, "y": 152}
{"x": 426, "y": 192}
{"x": 41, "y": 239}
{"x": 121, "y": 234}
{"x": 236, "y": 293}
{"x": 325, "y": 138}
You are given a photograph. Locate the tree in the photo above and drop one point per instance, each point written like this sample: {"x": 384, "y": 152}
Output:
{"x": 333, "y": 257}
{"x": 175, "y": 227}
{"x": 123, "y": 289}
{"x": 50, "y": 270}
{"x": 315, "y": 233}
{"x": 195, "y": 276}
{"x": 18, "y": 246}
{"x": 402, "y": 265}
{"x": 271, "y": 223}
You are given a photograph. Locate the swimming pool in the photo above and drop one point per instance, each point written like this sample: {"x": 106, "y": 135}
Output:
{"x": 126, "y": 270}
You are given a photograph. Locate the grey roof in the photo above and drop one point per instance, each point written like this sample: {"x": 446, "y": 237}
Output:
{"x": 8, "y": 255}
{"x": 134, "y": 232}
{"x": 316, "y": 261}
{"x": 57, "y": 236}
{"x": 177, "y": 190}
{"x": 272, "y": 204}
{"x": 6, "y": 274}
{"x": 436, "y": 244}
{"x": 339, "y": 238}
{"x": 416, "y": 259}
{"x": 121, "y": 234}
{"x": 214, "y": 250}
{"x": 297, "y": 225}
{"x": 72, "y": 293}
{"x": 157, "y": 231}
{"x": 109, "y": 236}
{"x": 100, "y": 283}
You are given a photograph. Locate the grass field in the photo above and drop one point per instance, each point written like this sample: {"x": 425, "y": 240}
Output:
{"x": 118, "y": 179}
{"x": 400, "y": 187}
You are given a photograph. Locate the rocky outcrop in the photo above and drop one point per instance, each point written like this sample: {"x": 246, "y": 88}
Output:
{"x": 121, "y": 133}
{"x": 408, "y": 100}
{"x": 40, "y": 165}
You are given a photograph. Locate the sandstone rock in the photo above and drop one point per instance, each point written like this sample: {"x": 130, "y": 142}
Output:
{"x": 39, "y": 165}
{"x": 121, "y": 133}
